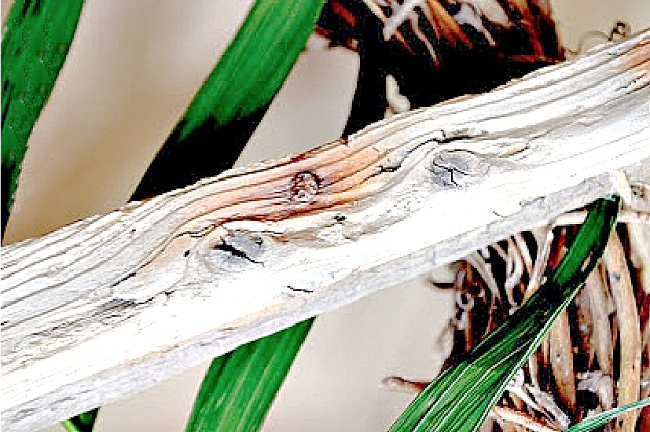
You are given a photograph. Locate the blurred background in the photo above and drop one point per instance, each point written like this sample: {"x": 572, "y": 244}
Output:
{"x": 131, "y": 72}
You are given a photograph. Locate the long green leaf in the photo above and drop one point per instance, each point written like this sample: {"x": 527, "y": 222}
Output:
{"x": 239, "y": 387}
{"x": 460, "y": 398}
{"x": 36, "y": 41}
{"x": 592, "y": 422}
{"x": 234, "y": 97}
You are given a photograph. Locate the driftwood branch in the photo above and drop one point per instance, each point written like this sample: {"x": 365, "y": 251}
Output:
{"x": 113, "y": 304}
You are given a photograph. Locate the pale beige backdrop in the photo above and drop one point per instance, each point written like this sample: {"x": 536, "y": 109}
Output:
{"x": 132, "y": 69}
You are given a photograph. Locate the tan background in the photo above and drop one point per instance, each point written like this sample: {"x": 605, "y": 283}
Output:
{"x": 132, "y": 69}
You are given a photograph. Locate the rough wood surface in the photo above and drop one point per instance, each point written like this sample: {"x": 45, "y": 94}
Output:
{"x": 113, "y": 304}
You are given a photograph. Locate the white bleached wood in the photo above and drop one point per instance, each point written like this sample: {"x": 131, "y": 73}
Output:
{"x": 113, "y": 304}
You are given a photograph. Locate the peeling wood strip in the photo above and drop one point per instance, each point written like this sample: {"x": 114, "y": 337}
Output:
{"x": 630, "y": 333}
{"x": 161, "y": 285}
{"x": 561, "y": 354}
{"x": 521, "y": 418}
{"x": 602, "y": 335}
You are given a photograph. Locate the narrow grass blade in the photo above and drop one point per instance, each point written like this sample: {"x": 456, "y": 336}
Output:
{"x": 460, "y": 398}
{"x": 35, "y": 43}
{"x": 598, "y": 420}
{"x": 239, "y": 387}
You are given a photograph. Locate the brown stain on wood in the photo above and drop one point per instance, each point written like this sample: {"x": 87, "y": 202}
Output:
{"x": 338, "y": 173}
{"x": 346, "y": 171}
{"x": 638, "y": 60}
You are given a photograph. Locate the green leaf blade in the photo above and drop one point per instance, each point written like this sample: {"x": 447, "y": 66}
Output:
{"x": 34, "y": 47}
{"x": 234, "y": 97}
{"x": 271, "y": 26}
{"x": 239, "y": 387}
{"x": 223, "y": 114}
{"x": 460, "y": 398}
{"x": 600, "y": 419}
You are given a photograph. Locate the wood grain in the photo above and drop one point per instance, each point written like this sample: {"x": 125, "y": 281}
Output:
{"x": 627, "y": 317}
{"x": 113, "y": 304}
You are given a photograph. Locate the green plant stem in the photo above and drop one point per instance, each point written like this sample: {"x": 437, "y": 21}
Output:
{"x": 460, "y": 398}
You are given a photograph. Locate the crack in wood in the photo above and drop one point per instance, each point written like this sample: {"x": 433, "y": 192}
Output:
{"x": 303, "y": 290}
{"x": 232, "y": 250}
{"x": 465, "y": 164}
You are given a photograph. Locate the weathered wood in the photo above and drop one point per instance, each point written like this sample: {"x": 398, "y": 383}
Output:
{"x": 113, "y": 304}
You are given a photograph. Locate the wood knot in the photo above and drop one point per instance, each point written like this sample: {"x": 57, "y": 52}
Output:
{"x": 304, "y": 186}
{"x": 457, "y": 168}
